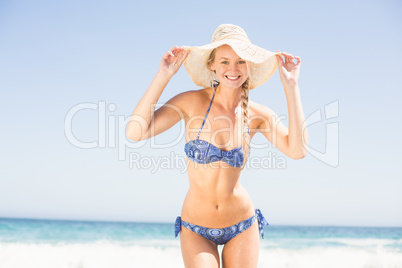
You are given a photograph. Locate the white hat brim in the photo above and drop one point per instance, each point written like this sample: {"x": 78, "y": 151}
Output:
{"x": 262, "y": 63}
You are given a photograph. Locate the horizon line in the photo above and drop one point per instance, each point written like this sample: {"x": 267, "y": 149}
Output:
{"x": 162, "y": 222}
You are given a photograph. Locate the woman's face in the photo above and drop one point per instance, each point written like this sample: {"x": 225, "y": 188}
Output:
{"x": 231, "y": 70}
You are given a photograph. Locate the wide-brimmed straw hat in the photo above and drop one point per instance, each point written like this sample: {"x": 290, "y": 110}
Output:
{"x": 261, "y": 63}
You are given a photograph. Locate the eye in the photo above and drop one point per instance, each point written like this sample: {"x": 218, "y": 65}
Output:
{"x": 242, "y": 62}
{"x": 225, "y": 62}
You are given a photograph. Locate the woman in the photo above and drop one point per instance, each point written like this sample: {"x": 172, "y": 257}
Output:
{"x": 217, "y": 209}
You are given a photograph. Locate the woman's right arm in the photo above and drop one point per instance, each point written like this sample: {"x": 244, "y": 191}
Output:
{"x": 143, "y": 124}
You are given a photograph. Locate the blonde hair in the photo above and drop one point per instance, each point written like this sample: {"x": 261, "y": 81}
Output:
{"x": 246, "y": 121}
{"x": 244, "y": 106}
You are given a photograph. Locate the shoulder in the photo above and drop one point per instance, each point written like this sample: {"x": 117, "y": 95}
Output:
{"x": 188, "y": 101}
{"x": 190, "y": 97}
{"x": 260, "y": 113}
{"x": 258, "y": 108}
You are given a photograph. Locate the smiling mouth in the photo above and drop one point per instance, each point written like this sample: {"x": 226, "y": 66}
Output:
{"x": 232, "y": 78}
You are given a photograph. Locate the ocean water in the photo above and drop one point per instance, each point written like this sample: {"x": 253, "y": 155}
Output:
{"x": 84, "y": 244}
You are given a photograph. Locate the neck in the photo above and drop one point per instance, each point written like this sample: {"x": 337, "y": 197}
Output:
{"x": 228, "y": 98}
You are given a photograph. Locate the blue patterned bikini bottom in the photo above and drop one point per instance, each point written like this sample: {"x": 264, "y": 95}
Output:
{"x": 221, "y": 236}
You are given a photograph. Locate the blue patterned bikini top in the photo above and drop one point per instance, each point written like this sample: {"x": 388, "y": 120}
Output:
{"x": 203, "y": 152}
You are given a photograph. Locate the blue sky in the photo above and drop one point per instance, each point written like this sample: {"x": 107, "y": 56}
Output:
{"x": 58, "y": 56}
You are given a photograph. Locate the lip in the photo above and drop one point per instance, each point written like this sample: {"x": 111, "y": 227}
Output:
{"x": 230, "y": 77}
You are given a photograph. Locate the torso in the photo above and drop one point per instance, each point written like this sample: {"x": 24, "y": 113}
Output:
{"x": 215, "y": 198}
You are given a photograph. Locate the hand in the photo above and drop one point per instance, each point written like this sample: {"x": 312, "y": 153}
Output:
{"x": 173, "y": 59}
{"x": 288, "y": 70}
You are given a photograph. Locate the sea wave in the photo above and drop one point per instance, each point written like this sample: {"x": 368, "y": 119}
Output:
{"x": 361, "y": 243}
{"x": 344, "y": 257}
{"x": 166, "y": 253}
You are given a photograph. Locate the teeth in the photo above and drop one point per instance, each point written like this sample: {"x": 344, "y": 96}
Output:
{"x": 232, "y": 77}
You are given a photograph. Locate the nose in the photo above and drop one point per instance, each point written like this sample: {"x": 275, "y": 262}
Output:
{"x": 233, "y": 67}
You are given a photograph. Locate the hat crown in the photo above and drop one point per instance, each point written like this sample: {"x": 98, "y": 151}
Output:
{"x": 261, "y": 63}
{"x": 230, "y": 31}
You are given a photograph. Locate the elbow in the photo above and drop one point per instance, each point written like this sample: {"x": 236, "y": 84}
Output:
{"x": 300, "y": 151}
{"x": 132, "y": 136}
{"x": 299, "y": 155}
{"x": 135, "y": 132}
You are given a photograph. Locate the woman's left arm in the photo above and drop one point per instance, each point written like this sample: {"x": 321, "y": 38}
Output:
{"x": 293, "y": 141}
{"x": 289, "y": 74}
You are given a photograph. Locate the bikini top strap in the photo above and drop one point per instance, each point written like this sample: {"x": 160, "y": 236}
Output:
{"x": 216, "y": 86}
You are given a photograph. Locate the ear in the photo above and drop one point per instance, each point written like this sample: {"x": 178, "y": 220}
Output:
{"x": 212, "y": 66}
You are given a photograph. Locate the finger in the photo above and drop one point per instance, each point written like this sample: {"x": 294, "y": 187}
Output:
{"x": 181, "y": 50}
{"x": 167, "y": 55}
{"x": 184, "y": 53}
{"x": 183, "y": 56}
{"x": 176, "y": 50}
{"x": 280, "y": 57}
{"x": 291, "y": 58}
{"x": 298, "y": 60}
{"x": 173, "y": 49}
{"x": 178, "y": 55}
{"x": 280, "y": 60}
{"x": 286, "y": 56}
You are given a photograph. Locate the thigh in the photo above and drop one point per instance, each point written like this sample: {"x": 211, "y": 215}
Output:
{"x": 242, "y": 250}
{"x": 198, "y": 251}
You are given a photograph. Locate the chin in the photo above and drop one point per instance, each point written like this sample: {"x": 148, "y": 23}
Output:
{"x": 232, "y": 86}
